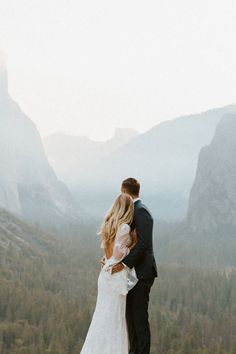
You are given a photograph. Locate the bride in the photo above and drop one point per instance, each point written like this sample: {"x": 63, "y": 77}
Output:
{"x": 108, "y": 332}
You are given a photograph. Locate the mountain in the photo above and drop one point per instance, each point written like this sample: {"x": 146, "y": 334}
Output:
{"x": 164, "y": 159}
{"x": 72, "y": 156}
{"x": 28, "y": 185}
{"x": 22, "y": 237}
{"x": 212, "y": 205}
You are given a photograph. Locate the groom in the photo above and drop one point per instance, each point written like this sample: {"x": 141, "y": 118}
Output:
{"x": 142, "y": 258}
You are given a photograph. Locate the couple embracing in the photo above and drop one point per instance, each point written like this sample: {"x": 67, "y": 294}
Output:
{"x": 120, "y": 321}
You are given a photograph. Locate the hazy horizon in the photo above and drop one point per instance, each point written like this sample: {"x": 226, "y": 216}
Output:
{"x": 127, "y": 127}
{"x": 86, "y": 68}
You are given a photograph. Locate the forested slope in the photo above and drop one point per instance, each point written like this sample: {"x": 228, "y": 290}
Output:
{"x": 46, "y": 301}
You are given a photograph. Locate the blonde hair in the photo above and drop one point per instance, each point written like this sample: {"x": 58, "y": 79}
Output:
{"x": 122, "y": 211}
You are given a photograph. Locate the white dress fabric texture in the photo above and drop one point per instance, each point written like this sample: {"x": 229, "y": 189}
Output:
{"x": 107, "y": 333}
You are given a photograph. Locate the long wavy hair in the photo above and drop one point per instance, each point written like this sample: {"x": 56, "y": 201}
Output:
{"x": 121, "y": 211}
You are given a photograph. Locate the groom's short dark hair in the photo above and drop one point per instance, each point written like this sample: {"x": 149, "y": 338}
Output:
{"x": 131, "y": 185}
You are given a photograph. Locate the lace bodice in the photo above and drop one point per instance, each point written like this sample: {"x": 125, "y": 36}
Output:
{"x": 121, "y": 244}
{"x": 120, "y": 251}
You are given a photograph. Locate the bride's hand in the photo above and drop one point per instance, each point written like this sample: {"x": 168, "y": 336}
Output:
{"x": 102, "y": 261}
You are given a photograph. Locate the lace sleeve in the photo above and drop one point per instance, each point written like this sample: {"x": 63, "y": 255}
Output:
{"x": 121, "y": 249}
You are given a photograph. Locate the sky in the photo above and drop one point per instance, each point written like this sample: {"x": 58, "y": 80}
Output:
{"x": 85, "y": 67}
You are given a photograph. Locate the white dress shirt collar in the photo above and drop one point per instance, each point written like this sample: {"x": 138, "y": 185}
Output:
{"x": 136, "y": 199}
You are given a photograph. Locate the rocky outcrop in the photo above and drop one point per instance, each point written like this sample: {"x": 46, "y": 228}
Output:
{"x": 28, "y": 185}
{"x": 164, "y": 159}
{"x": 20, "y": 236}
{"x": 212, "y": 205}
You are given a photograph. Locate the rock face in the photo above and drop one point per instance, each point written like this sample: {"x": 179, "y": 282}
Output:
{"x": 23, "y": 237}
{"x": 164, "y": 159}
{"x": 212, "y": 204}
{"x": 73, "y": 156}
{"x": 28, "y": 185}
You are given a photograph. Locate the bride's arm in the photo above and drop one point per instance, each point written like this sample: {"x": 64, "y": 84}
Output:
{"x": 121, "y": 250}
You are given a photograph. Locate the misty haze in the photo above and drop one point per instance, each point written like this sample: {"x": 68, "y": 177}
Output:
{"x": 73, "y": 130}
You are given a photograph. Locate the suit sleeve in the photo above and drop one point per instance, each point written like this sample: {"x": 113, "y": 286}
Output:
{"x": 144, "y": 225}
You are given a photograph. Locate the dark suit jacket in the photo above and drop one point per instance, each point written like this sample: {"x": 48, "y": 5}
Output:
{"x": 141, "y": 256}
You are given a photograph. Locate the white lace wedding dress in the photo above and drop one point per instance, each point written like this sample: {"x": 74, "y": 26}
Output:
{"x": 108, "y": 331}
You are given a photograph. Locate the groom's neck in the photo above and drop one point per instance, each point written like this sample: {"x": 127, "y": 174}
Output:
{"x": 135, "y": 196}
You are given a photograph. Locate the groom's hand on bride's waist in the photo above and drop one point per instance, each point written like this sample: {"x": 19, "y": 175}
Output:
{"x": 117, "y": 268}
